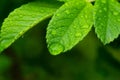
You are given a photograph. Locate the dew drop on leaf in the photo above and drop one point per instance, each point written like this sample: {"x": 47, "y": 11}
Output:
{"x": 86, "y": 16}
{"x": 53, "y": 32}
{"x": 110, "y": 10}
{"x": 69, "y": 26}
{"x": 82, "y": 16}
{"x": 56, "y": 48}
{"x": 99, "y": 19}
{"x": 57, "y": 14}
{"x": 115, "y": 13}
{"x": 67, "y": 12}
{"x": 85, "y": 26}
{"x": 66, "y": 5}
{"x": 105, "y": 9}
{"x": 20, "y": 16}
{"x": 100, "y": 11}
{"x": 78, "y": 34}
{"x": 74, "y": 26}
{"x": 119, "y": 20}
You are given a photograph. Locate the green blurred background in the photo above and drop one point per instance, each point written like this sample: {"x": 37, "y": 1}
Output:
{"x": 29, "y": 59}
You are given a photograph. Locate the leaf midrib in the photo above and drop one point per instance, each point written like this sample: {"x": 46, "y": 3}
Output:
{"x": 107, "y": 16}
{"x": 72, "y": 23}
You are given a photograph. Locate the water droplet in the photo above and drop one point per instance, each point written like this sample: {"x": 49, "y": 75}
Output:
{"x": 105, "y": 9}
{"x": 99, "y": 18}
{"x": 82, "y": 16}
{"x": 94, "y": 12}
{"x": 85, "y": 26}
{"x": 115, "y": 13}
{"x": 78, "y": 34}
{"x": 67, "y": 4}
{"x": 74, "y": 26}
{"x": 53, "y": 32}
{"x": 57, "y": 14}
{"x": 20, "y": 16}
{"x": 56, "y": 48}
{"x": 119, "y": 20}
{"x": 86, "y": 16}
{"x": 100, "y": 11}
{"x": 67, "y": 11}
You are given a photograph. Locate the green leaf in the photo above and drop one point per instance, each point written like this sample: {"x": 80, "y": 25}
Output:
{"x": 107, "y": 20}
{"x": 22, "y": 19}
{"x": 63, "y": 0}
{"x": 70, "y": 0}
{"x": 70, "y": 24}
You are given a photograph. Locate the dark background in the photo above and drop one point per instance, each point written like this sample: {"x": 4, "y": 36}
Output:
{"x": 29, "y": 59}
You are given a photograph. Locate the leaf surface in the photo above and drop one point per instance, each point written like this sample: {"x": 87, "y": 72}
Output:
{"x": 107, "y": 20}
{"x": 63, "y": 0}
{"x": 22, "y": 19}
{"x": 79, "y": 0}
{"x": 70, "y": 24}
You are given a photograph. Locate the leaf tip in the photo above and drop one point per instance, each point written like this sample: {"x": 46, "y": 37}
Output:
{"x": 56, "y": 48}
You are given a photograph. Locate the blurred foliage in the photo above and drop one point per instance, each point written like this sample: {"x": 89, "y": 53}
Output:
{"x": 28, "y": 58}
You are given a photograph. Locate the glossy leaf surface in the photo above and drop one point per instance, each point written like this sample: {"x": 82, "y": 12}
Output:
{"x": 107, "y": 20}
{"x": 22, "y": 19}
{"x": 69, "y": 25}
